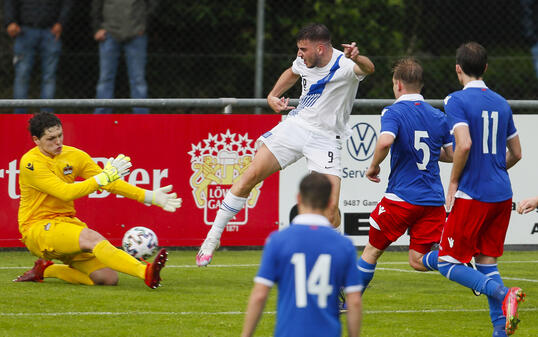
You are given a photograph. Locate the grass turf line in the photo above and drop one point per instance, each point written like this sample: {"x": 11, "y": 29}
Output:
{"x": 211, "y": 301}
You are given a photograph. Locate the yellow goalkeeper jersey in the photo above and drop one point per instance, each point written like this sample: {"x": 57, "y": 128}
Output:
{"x": 48, "y": 186}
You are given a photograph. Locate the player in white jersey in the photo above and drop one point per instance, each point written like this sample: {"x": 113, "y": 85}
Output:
{"x": 314, "y": 129}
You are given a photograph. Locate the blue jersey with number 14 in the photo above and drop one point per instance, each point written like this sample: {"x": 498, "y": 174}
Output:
{"x": 309, "y": 263}
{"x": 489, "y": 118}
{"x": 419, "y": 132}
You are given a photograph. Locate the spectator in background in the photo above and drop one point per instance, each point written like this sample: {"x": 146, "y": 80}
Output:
{"x": 530, "y": 24}
{"x": 36, "y": 26}
{"x": 121, "y": 25}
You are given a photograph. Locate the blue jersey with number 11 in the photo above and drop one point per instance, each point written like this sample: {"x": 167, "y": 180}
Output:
{"x": 489, "y": 118}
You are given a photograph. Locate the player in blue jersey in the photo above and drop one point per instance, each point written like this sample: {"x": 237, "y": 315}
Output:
{"x": 479, "y": 191}
{"x": 310, "y": 261}
{"x": 417, "y": 135}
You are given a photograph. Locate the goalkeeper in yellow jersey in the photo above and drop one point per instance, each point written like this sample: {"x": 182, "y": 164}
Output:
{"x": 47, "y": 219}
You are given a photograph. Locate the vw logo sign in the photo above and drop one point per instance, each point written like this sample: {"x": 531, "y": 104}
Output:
{"x": 361, "y": 144}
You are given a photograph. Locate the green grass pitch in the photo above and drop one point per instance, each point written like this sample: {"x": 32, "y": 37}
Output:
{"x": 211, "y": 301}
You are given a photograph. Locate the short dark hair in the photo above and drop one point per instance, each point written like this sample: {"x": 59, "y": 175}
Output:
{"x": 472, "y": 58}
{"x": 314, "y": 32}
{"x": 315, "y": 191}
{"x": 42, "y": 121}
{"x": 410, "y": 72}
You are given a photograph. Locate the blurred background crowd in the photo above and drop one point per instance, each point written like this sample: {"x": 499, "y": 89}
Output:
{"x": 207, "y": 49}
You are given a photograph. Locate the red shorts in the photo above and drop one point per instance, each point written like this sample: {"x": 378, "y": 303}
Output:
{"x": 425, "y": 224}
{"x": 475, "y": 227}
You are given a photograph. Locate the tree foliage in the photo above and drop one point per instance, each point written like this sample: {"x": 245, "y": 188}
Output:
{"x": 207, "y": 48}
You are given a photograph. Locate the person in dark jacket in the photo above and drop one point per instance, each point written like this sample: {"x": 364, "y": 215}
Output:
{"x": 529, "y": 21}
{"x": 121, "y": 25}
{"x": 36, "y": 26}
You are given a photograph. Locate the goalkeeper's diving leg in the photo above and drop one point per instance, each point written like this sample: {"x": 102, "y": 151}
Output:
{"x": 263, "y": 165}
{"x": 84, "y": 271}
{"x": 118, "y": 260}
{"x": 114, "y": 258}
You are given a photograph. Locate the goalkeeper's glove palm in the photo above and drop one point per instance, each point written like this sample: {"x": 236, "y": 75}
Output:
{"x": 114, "y": 169}
{"x": 162, "y": 198}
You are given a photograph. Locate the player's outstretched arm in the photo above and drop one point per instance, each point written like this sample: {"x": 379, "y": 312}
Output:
{"x": 364, "y": 66}
{"x": 114, "y": 169}
{"x": 40, "y": 177}
{"x": 285, "y": 81}
{"x": 527, "y": 205}
{"x": 163, "y": 198}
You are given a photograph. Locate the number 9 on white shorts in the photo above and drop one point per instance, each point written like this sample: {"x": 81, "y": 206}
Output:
{"x": 289, "y": 142}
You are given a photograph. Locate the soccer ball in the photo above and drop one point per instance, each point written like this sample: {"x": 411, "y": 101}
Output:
{"x": 140, "y": 242}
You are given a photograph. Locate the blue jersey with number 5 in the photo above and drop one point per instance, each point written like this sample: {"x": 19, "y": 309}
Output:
{"x": 489, "y": 118}
{"x": 419, "y": 132}
{"x": 310, "y": 263}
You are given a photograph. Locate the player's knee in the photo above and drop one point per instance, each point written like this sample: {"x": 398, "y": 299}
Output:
{"x": 333, "y": 215}
{"x": 416, "y": 255}
{"x": 89, "y": 238}
{"x": 371, "y": 254}
{"x": 108, "y": 282}
{"x": 105, "y": 277}
{"x": 246, "y": 183}
{"x": 416, "y": 264}
{"x": 113, "y": 281}
{"x": 334, "y": 219}
{"x": 332, "y": 205}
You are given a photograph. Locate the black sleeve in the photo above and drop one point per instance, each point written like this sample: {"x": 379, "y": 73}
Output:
{"x": 10, "y": 12}
{"x": 97, "y": 14}
{"x": 65, "y": 11}
{"x": 529, "y": 20}
{"x": 151, "y": 6}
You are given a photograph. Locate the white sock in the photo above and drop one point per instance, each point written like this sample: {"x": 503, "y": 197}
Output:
{"x": 231, "y": 205}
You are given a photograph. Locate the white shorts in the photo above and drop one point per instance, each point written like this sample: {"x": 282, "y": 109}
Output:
{"x": 289, "y": 142}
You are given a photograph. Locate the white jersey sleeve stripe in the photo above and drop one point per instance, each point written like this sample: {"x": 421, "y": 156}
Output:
{"x": 456, "y": 125}
{"x": 388, "y": 133}
{"x": 512, "y": 136}
{"x": 263, "y": 281}
{"x": 353, "y": 289}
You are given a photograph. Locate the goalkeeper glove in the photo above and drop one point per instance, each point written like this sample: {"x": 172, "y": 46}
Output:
{"x": 115, "y": 168}
{"x": 160, "y": 197}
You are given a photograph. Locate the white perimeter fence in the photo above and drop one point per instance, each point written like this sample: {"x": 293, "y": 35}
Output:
{"x": 227, "y": 104}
